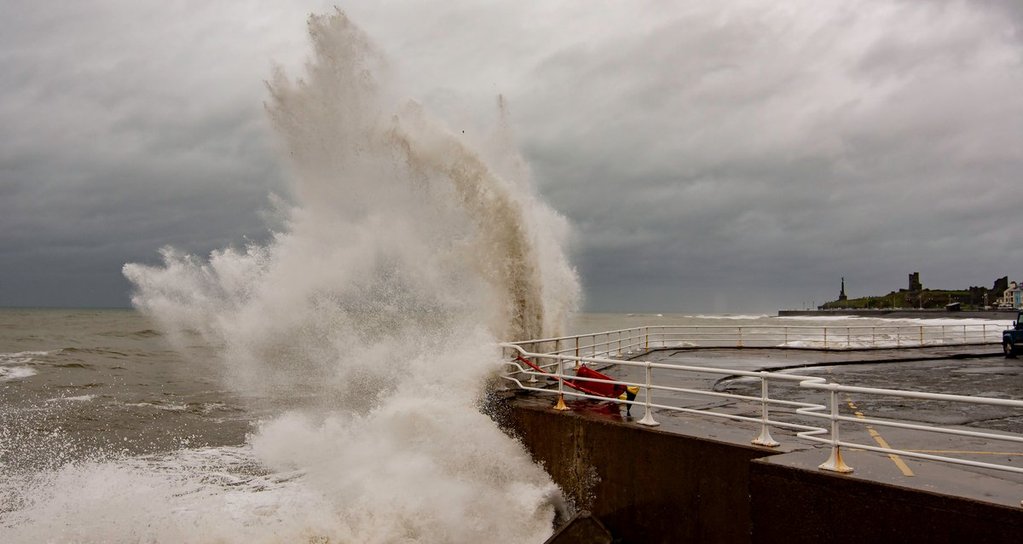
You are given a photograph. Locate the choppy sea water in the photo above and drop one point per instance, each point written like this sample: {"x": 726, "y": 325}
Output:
{"x": 107, "y": 434}
{"x": 104, "y": 381}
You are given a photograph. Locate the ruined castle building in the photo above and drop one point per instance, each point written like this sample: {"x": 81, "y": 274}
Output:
{"x": 914, "y": 282}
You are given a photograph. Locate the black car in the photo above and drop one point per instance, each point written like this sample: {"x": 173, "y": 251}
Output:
{"x": 1012, "y": 339}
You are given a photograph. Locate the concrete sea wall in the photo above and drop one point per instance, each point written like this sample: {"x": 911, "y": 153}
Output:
{"x": 649, "y": 485}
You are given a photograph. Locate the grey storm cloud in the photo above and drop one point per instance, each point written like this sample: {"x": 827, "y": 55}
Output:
{"x": 711, "y": 156}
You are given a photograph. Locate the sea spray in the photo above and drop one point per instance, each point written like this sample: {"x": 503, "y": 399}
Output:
{"x": 372, "y": 316}
{"x": 401, "y": 233}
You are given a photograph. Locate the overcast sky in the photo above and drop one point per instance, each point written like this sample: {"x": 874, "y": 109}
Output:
{"x": 712, "y": 156}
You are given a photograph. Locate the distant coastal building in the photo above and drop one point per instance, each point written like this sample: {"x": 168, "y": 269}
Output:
{"x": 1012, "y": 297}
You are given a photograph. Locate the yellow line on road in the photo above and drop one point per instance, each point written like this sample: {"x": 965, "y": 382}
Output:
{"x": 906, "y": 471}
{"x": 903, "y": 467}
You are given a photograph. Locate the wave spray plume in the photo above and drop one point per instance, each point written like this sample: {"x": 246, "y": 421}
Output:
{"x": 369, "y": 324}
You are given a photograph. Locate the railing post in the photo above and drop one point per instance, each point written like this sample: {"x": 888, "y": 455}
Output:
{"x": 786, "y": 329}
{"x": 648, "y": 414}
{"x": 921, "y": 335}
{"x": 619, "y": 343}
{"x": 848, "y": 337}
{"x": 646, "y": 342}
{"x": 835, "y": 462}
{"x": 873, "y": 337}
{"x": 560, "y": 405}
{"x": 825, "y": 338}
{"x": 576, "y": 346}
{"x": 740, "y": 337}
{"x": 765, "y": 438}
{"x": 532, "y": 375}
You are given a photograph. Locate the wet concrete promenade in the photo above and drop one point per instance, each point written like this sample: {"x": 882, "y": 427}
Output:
{"x": 958, "y": 370}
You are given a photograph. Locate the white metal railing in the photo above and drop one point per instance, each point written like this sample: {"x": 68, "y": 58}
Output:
{"x": 772, "y": 411}
{"x": 793, "y": 337}
{"x": 835, "y": 461}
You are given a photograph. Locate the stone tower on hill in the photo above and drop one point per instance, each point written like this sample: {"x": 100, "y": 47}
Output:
{"x": 914, "y": 282}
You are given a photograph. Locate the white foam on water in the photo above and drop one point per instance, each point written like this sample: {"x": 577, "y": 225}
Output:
{"x": 79, "y": 398}
{"x": 171, "y": 407}
{"x": 407, "y": 254}
{"x": 409, "y": 471}
{"x": 952, "y": 322}
{"x": 731, "y": 317}
{"x": 851, "y": 318}
{"x": 11, "y": 373}
{"x": 165, "y": 406}
{"x": 21, "y": 357}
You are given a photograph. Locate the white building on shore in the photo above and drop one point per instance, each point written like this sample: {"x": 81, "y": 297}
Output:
{"x": 1013, "y": 297}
